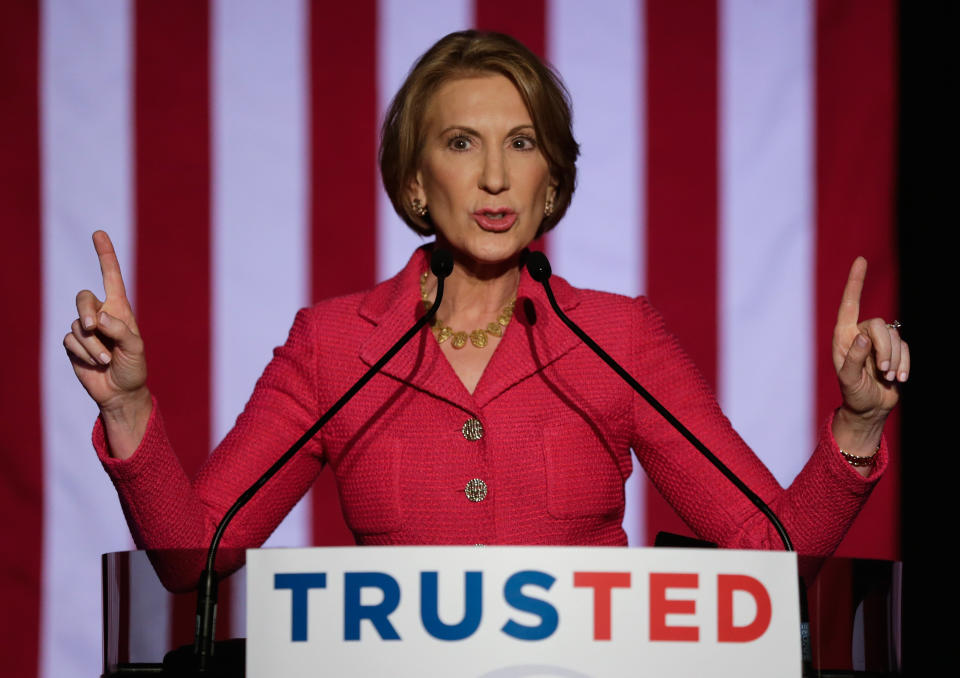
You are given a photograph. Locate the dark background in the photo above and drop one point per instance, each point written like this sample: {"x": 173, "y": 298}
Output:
{"x": 927, "y": 223}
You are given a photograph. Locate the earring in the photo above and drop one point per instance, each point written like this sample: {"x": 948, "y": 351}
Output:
{"x": 418, "y": 208}
{"x": 548, "y": 207}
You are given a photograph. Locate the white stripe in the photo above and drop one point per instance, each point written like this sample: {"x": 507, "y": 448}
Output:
{"x": 766, "y": 241}
{"x": 260, "y": 252}
{"x": 260, "y": 143}
{"x": 597, "y": 48}
{"x": 86, "y": 183}
{"x": 406, "y": 29}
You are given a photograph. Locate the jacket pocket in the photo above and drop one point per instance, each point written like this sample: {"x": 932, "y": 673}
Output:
{"x": 369, "y": 486}
{"x": 582, "y": 473}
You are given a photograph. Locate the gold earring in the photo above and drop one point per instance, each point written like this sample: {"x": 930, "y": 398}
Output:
{"x": 418, "y": 208}
{"x": 548, "y": 207}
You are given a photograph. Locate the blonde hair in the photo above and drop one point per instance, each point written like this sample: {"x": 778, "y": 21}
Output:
{"x": 466, "y": 54}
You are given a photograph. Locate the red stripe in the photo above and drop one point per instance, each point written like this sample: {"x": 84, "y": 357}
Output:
{"x": 172, "y": 119}
{"x": 856, "y": 74}
{"x": 681, "y": 81}
{"x": 343, "y": 122}
{"x": 172, "y": 141}
{"x": 21, "y": 431}
{"x": 526, "y": 21}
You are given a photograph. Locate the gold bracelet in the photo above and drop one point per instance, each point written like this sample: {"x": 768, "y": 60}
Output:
{"x": 855, "y": 460}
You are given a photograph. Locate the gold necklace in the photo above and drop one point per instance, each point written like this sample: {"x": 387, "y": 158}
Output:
{"x": 459, "y": 339}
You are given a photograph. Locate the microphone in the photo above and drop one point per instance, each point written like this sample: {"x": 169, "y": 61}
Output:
{"x": 441, "y": 264}
{"x": 539, "y": 266}
{"x": 539, "y": 269}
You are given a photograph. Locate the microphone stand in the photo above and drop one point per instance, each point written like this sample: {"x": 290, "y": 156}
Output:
{"x": 201, "y": 661}
{"x": 539, "y": 267}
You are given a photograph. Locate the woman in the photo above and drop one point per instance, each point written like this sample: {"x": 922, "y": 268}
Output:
{"x": 498, "y": 426}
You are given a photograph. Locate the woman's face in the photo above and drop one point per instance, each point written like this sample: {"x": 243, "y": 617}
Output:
{"x": 482, "y": 175}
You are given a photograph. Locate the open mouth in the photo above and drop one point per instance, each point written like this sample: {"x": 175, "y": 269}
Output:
{"x": 495, "y": 221}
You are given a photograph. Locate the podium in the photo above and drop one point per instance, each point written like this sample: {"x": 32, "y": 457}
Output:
{"x": 512, "y": 611}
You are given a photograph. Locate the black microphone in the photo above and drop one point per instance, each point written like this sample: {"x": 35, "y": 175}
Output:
{"x": 539, "y": 268}
{"x": 441, "y": 264}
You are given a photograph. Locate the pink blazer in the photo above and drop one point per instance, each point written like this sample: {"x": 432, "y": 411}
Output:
{"x": 557, "y": 429}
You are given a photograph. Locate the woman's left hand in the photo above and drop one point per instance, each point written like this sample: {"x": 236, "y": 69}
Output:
{"x": 871, "y": 361}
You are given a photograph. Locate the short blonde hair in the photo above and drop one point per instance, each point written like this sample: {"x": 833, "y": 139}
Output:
{"x": 466, "y": 54}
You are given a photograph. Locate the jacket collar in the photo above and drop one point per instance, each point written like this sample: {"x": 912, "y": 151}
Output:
{"x": 534, "y": 338}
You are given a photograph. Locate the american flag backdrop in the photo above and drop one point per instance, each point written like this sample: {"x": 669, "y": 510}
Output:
{"x": 736, "y": 156}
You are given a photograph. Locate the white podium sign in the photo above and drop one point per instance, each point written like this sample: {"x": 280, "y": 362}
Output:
{"x": 521, "y": 612}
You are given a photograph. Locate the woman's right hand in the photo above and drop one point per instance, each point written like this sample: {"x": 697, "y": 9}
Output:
{"x": 106, "y": 350}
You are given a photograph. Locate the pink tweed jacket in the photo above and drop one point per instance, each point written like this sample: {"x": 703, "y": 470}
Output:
{"x": 557, "y": 429}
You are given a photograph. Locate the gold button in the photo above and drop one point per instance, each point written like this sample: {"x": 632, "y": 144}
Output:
{"x": 476, "y": 490}
{"x": 472, "y": 429}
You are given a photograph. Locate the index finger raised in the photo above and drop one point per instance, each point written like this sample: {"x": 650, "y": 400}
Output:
{"x": 849, "y": 312}
{"x": 109, "y": 267}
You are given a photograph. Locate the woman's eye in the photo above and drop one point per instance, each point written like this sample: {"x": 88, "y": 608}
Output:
{"x": 523, "y": 144}
{"x": 459, "y": 143}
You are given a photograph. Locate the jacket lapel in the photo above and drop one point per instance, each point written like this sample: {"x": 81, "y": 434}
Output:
{"x": 534, "y": 339}
{"x": 392, "y": 308}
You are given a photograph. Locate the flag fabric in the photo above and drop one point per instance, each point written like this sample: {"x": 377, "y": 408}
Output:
{"x": 736, "y": 157}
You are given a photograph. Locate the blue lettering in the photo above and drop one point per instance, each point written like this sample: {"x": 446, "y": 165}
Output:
{"x": 513, "y": 594}
{"x": 299, "y": 583}
{"x": 472, "y": 607}
{"x": 354, "y": 612}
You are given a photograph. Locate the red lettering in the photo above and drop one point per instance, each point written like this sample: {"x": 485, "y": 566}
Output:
{"x": 726, "y": 631}
{"x": 601, "y": 583}
{"x": 660, "y": 607}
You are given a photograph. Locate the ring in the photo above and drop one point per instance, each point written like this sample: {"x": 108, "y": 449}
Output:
{"x": 895, "y": 325}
